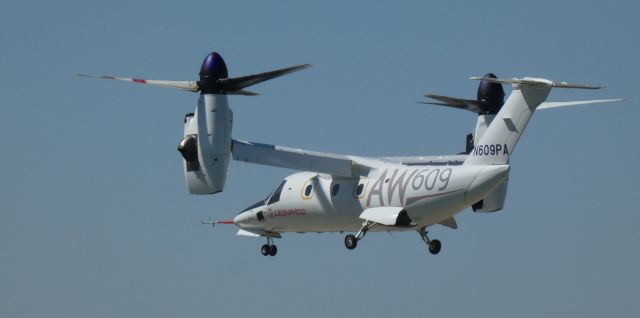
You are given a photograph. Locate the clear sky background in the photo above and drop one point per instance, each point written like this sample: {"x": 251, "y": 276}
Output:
{"x": 96, "y": 221}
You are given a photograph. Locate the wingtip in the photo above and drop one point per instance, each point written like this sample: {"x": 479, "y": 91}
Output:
{"x": 302, "y": 67}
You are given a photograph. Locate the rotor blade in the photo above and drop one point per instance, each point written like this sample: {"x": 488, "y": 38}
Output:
{"x": 238, "y": 83}
{"x": 547, "y": 105}
{"x": 535, "y": 81}
{"x": 191, "y": 86}
{"x": 468, "y": 104}
{"x": 243, "y": 92}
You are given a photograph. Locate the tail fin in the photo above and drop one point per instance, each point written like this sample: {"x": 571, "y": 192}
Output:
{"x": 498, "y": 142}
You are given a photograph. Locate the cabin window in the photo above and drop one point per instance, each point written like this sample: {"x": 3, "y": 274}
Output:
{"x": 358, "y": 191}
{"x": 335, "y": 189}
{"x": 307, "y": 189}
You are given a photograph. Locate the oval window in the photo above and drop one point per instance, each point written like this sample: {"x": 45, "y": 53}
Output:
{"x": 335, "y": 189}
{"x": 358, "y": 191}
{"x": 306, "y": 192}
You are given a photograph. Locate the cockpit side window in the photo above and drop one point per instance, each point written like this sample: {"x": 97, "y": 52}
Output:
{"x": 275, "y": 197}
{"x": 253, "y": 206}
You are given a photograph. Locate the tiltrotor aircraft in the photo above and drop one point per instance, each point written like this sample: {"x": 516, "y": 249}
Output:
{"x": 342, "y": 193}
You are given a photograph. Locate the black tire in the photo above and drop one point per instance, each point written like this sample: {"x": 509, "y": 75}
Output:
{"x": 273, "y": 251}
{"x": 350, "y": 241}
{"x": 434, "y": 247}
{"x": 265, "y": 250}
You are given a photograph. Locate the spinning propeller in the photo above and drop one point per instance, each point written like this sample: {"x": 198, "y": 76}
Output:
{"x": 490, "y": 98}
{"x": 214, "y": 78}
{"x": 206, "y": 144}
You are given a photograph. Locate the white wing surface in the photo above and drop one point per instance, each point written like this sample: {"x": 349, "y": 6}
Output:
{"x": 451, "y": 160}
{"x": 297, "y": 159}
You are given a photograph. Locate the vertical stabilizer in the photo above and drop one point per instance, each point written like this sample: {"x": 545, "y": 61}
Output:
{"x": 497, "y": 143}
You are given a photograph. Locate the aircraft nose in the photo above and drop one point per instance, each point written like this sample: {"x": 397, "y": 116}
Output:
{"x": 240, "y": 219}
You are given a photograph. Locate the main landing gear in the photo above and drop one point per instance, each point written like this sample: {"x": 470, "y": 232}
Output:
{"x": 269, "y": 249}
{"x": 351, "y": 241}
{"x": 434, "y": 245}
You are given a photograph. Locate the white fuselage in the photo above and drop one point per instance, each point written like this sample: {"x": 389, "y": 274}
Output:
{"x": 312, "y": 202}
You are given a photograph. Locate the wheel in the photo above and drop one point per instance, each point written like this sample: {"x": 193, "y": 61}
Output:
{"x": 266, "y": 250}
{"x": 273, "y": 250}
{"x": 350, "y": 241}
{"x": 434, "y": 247}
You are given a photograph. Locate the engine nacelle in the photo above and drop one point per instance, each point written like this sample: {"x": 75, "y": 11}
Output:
{"x": 206, "y": 146}
{"x": 493, "y": 202}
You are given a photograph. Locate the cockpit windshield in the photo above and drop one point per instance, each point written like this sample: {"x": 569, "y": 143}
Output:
{"x": 271, "y": 199}
{"x": 253, "y": 206}
{"x": 275, "y": 196}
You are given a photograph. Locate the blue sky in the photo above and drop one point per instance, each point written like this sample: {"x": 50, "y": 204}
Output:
{"x": 95, "y": 219}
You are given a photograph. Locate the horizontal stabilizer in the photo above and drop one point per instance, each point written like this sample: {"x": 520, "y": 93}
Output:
{"x": 547, "y": 105}
{"x": 532, "y": 81}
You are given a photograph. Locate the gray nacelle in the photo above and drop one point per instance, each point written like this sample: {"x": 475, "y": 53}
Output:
{"x": 493, "y": 202}
{"x": 206, "y": 145}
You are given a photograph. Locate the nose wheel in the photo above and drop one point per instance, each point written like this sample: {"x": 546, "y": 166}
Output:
{"x": 269, "y": 249}
{"x": 434, "y": 245}
{"x": 351, "y": 241}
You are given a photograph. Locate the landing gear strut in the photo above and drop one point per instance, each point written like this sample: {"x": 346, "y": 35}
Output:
{"x": 434, "y": 245}
{"x": 269, "y": 249}
{"x": 351, "y": 241}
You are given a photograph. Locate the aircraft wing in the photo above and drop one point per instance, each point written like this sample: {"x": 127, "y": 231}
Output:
{"x": 451, "y": 160}
{"x": 297, "y": 159}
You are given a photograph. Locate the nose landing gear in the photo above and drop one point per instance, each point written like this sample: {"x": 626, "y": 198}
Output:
{"x": 269, "y": 249}
{"x": 351, "y": 241}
